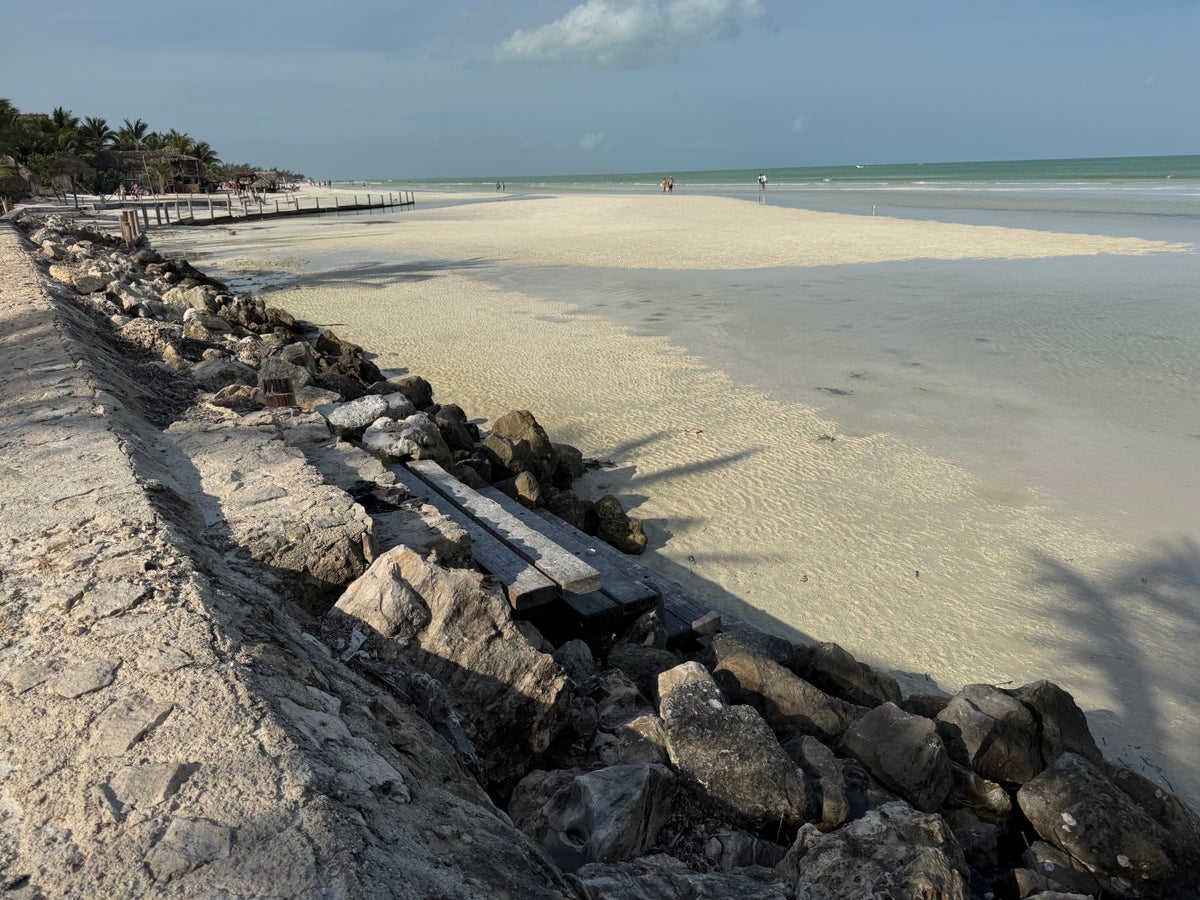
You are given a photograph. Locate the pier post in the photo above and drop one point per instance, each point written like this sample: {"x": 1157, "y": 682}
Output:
{"x": 336, "y": 203}
{"x": 145, "y": 215}
{"x": 318, "y": 204}
{"x": 212, "y": 217}
{"x": 157, "y": 214}
{"x": 277, "y": 206}
{"x": 191, "y": 211}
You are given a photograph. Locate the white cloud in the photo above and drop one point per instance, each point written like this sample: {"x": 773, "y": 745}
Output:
{"x": 799, "y": 123}
{"x": 592, "y": 141}
{"x": 624, "y": 34}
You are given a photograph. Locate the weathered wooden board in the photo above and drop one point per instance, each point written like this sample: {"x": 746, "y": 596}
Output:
{"x": 680, "y": 609}
{"x": 616, "y": 582}
{"x": 524, "y": 585}
{"x": 571, "y": 574}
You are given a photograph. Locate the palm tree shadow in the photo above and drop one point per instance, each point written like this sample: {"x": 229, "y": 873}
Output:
{"x": 1133, "y": 630}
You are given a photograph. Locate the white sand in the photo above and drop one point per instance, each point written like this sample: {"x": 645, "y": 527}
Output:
{"x": 745, "y": 499}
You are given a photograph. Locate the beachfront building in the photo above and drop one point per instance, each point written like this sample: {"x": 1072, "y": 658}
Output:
{"x": 169, "y": 169}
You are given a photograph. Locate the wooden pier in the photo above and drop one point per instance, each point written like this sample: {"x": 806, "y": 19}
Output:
{"x": 226, "y": 209}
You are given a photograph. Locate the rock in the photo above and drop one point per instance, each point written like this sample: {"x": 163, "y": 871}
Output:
{"x": 617, "y": 528}
{"x": 993, "y": 733}
{"x": 606, "y": 815}
{"x": 1062, "y": 724}
{"x": 144, "y": 786}
{"x": 1180, "y": 821}
{"x": 661, "y": 877}
{"x": 643, "y": 739}
{"x": 523, "y": 488}
{"x": 568, "y": 465}
{"x": 216, "y": 374}
{"x": 413, "y": 438}
{"x": 789, "y": 703}
{"x": 824, "y": 776}
{"x": 452, "y": 422}
{"x": 512, "y": 698}
{"x": 414, "y": 387}
{"x": 980, "y": 841}
{"x": 505, "y": 455}
{"x": 1059, "y": 870}
{"x": 340, "y": 357}
{"x": 89, "y": 282}
{"x": 202, "y": 324}
{"x": 733, "y": 850}
{"x": 275, "y": 367}
{"x": 198, "y": 297}
{"x": 187, "y": 845}
{"x": 927, "y": 705}
{"x": 905, "y": 753}
{"x": 350, "y": 420}
{"x": 310, "y": 399}
{"x": 576, "y": 659}
{"x": 729, "y": 753}
{"x": 85, "y": 677}
{"x": 894, "y": 851}
{"x": 1073, "y": 806}
{"x": 834, "y": 670}
{"x": 643, "y": 665}
{"x": 520, "y": 425}
{"x": 155, "y": 337}
{"x": 125, "y": 722}
{"x": 568, "y": 507}
{"x": 983, "y": 798}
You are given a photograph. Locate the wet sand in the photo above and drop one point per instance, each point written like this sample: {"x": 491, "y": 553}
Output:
{"x": 760, "y": 503}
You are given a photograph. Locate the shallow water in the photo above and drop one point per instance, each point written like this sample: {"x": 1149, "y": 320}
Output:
{"x": 1011, "y": 488}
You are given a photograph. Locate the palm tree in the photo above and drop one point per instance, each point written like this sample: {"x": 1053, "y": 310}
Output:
{"x": 179, "y": 140}
{"x": 95, "y": 134}
{"x": 207, "y": 158}
{"x": 132, "y": 135}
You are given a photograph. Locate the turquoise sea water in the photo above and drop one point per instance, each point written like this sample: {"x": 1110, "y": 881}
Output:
{"x": 1066, "y": 171}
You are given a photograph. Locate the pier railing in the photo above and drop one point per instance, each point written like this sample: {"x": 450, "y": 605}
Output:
{"x": 222, "y": 209}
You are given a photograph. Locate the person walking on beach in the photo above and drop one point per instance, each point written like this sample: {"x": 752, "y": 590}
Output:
{"x": 762, "y": 181}
{"x": 497, "y": 186}
{"x": 663, "y": 184}
{"x": 670, "y": 184}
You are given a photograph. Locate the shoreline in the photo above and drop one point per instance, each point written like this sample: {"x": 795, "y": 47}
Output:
{"x": 844, "y": 525}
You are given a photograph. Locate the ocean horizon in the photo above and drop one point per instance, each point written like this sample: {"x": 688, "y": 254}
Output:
{"x": 1185, "y": 168}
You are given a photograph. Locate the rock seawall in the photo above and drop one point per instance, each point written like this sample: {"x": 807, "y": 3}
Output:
{"x": 237, "y": 660}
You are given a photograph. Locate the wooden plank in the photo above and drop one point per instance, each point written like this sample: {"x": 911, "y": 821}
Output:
{"x": 524, "y": 585}
{"x": 573, "y": 575}
{"x": 680, "y": 608}
{"x": 616, "y": 583}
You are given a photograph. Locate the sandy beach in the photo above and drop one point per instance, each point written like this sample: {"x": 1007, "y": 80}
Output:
{"x": 912, "y": 560}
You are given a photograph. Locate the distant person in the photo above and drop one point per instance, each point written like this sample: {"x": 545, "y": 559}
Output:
{"x": 663, "y": 184}
{"x": 762, "y": 181}
{"x": 670, "y": 184}
{"x": 497, "y": 187}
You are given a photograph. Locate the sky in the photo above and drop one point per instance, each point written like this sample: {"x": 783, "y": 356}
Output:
{"x": 442, "y": 88}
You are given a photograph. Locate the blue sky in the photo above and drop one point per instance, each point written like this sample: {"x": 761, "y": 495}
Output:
{"x": 399, "y": 89}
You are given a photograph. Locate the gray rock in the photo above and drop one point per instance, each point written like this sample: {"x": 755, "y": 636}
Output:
{"x": 215, "y": 374}
{"x": 413, "y": 438}
{"x": 980, "y": 841}
{"x": 1073, "y": 806}
{"x": 643, "y": 665}
{"x": 198, "y": 297}
{"x": 1062, "y": 724}
{"x": 453, "y": 424}
{"x": 983, "y": 798}
{"x": 276, "y": 367}
{"x": 568, "y": 465}
{"x": 89, "y": 282}
{"x": 729, "y": 752}
{"x": 824, "y": 776}
{"x": 508, "y": 455}
{"x": 789, "y": 703}
{"x": 893, "y": 851}
{"x": 85, "y": 677}
{"x": 125, "y": 722}
{"x": 733, "y": 850}
{"x": 576, "y": 659}
{"x": 187, "y": 845}
{"x": 350, "y": 420}
{"x": 905, "y": 753}
{"x": 993, "y": 733}
{"x": 1060, "y": 871}
{"x": 834, "y": 670}
{"x": 523, "y": 488}
{"x": 662, "y": 877}
{"x": 513, "y": 699}
{"x": 607, "y": 815}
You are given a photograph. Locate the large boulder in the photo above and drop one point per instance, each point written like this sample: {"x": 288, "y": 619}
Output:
{"x": 1063, "y": 728}
{"x": 789, "y": 703}
{"x": 824, "y": 775}
{"x": 612, "y": 814}
{"x": 513, "y": 698}
{"x": 893, "y": 851}
{"x": 350, "y": 420}
{"x": 993, "y": 733}
{"x": 520, "y": 425}
{"x": 729, "y": 753}
{"x": 1073, "y": 806}
{"x": 616, "y": 527}
{"x": 834, "y": 670}
{"x": 905, "y": 753}
{"x": 416, "y": 437}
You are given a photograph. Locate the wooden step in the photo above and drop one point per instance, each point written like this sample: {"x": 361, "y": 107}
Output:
{"x": 524, "y": 585}
{"x": 571, "y": 574}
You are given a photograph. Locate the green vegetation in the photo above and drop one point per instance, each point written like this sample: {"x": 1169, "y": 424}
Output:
{"x": 60, "y": 153}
